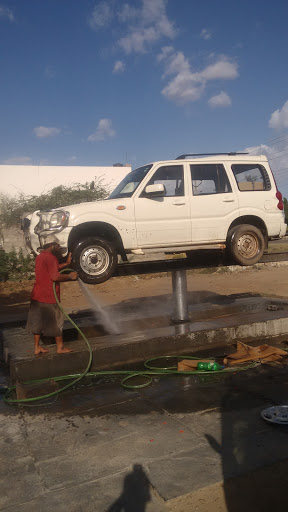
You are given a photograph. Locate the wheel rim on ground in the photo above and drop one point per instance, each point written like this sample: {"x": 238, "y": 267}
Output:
{"x": 248, "y": 245}
{"x": 94, "y": 260}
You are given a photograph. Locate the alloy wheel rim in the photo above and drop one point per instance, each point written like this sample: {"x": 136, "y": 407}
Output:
{"x": 94, "y": 260}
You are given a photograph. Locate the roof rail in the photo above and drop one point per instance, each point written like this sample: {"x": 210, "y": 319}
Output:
{"x": 233, "y": 153}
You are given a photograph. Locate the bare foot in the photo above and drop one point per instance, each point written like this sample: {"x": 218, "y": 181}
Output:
{"x": 63, "y": 350}
{"x": 40, "y": 350}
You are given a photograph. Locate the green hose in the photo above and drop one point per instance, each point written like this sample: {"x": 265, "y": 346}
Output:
{"x": 129, "y": 374}
{"x": 79, "y": 377}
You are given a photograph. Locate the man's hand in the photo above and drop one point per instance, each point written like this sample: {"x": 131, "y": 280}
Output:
{"x": 69, "y": 259}
{"x": 67, "y": 262}
{"x": 73, "y": 276}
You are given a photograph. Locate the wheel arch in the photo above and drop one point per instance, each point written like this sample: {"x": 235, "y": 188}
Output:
{"x": 93, "y": 228}
{"x": 252, "y": 220}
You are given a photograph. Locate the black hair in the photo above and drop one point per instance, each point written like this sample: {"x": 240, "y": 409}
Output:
{"x": 46, "y": 246}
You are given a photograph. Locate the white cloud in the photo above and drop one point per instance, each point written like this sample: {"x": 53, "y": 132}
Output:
{"x": 127, "y": 13}
{"x": 205, "y": 34}
{"x": 279, "y": 118}
{"x": 17, "y": 160}
{"x": 276, "y": 153}
{"x": 101, "y": 15}
{"x": 137, "y": 40}
{"x": 187, "y": 86}
{"x": 141, "y": 26}
{"x": 220, "y": 100}
{"x": 262, "y": 149}
{"x": 176, "y": 61}
{"x": 119, "y": 66}
{"x": 148, "y": 24}
{"x": 43, "y": 132}
{"x": 184, "y": 88}
{"x": 166, "y": 52}
{"x": 104, "y": 131}
{"x": 224, "y": 69}
{"x": 49, "y": 71}
{"x": 6, "y": 13}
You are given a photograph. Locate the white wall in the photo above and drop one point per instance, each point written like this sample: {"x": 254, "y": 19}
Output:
{"x": 38, "y": 179}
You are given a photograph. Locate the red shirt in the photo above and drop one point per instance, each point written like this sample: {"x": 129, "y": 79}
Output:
{"x": 46, "y": 271}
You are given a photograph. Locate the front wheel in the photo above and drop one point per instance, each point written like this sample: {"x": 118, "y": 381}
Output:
{"x": 246, "y": 244}
{"x": 95, "y": 260}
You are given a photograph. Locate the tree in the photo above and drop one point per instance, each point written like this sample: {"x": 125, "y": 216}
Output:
{"x": 13, "y": 208}
{"x": 285, "y": 202}
{"x": 252, "y": 180}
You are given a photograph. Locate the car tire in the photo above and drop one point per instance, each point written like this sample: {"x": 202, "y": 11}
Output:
{"x": 95, "y": 260}
{"x": 246, "y": 244}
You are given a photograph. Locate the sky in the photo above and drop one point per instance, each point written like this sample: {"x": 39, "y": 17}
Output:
{"x": 95, "y": 83}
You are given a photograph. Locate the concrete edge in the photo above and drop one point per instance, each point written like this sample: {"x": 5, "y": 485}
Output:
{"x": 138, "y": 349}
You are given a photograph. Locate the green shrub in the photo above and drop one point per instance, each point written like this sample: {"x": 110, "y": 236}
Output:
{"x": 15, "y": 266}
{"x": 286, "y": 209}
{"x": 12, "y": 208}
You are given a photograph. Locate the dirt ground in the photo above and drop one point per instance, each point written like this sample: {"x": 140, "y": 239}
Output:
{"x": 268, "y": 280}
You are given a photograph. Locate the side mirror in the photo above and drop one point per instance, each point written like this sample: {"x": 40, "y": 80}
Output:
{"x": 155, "y": 190}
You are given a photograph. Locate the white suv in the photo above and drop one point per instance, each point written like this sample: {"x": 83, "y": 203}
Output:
{"x": 229, "y": 200}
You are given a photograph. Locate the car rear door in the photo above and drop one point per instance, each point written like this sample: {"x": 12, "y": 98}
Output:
{"x": 213, "y": 202}
{"x": 257, "y": 194}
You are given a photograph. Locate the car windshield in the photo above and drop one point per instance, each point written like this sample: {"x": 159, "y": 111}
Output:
{"x": 128, "y": 185}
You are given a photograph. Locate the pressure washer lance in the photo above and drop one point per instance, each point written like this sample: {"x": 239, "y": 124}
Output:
{"x": 209, "y": 366}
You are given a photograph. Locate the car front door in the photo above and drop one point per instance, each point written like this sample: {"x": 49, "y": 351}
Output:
{"x": 214, "y": 204}
{"x": 164, "y": 220}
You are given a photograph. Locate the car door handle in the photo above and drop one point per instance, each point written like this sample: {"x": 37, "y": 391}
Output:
{"x": 228, "y": 200}
{"x": 179, "y": 203}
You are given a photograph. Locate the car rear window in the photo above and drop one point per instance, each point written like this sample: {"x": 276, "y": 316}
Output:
{"x": 209, "y": 179}
{"x": 251, "y": 177}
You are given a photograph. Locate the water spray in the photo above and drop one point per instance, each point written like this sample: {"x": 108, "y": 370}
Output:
{"x": 100, "y": 314}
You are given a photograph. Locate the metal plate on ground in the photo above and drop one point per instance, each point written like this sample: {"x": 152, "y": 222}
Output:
{"x": 276, "y": 414}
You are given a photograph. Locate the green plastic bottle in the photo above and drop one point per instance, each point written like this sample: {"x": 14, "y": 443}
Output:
{"x": 209, "y": 367}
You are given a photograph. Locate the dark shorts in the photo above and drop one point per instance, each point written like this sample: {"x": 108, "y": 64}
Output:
{"x": 46, "y": 319}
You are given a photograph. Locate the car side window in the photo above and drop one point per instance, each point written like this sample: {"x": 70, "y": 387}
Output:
{"x": 251, "y": 177}
{"x": 172, "y": 177}
{"x": 209, "y": 179}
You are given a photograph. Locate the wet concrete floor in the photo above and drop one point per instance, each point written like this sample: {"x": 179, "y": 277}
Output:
{"x": 182, "y": 434}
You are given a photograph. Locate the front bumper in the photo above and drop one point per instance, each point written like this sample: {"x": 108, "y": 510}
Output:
{"x": 62, "y": 236}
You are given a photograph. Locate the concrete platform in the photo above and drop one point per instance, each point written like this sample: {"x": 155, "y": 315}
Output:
{"x": 184, "y": 444}
{"x": 147, "y": 332}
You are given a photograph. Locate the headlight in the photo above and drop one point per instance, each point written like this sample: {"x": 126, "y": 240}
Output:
{"x": 58, "y": 219}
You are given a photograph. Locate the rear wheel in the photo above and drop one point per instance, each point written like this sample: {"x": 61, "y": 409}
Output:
{"x": 95, "y": 260}
{"x": 246, "y": 244}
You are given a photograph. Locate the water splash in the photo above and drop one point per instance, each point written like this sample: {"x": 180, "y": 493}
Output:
{"x": 101, "y": 315}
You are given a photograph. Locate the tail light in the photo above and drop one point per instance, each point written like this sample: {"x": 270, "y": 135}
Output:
{"x": 280, "y": 204}
{"x": 280, "y": 201}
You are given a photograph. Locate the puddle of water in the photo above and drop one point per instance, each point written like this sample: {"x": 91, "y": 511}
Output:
{"x": 127, "y": 326}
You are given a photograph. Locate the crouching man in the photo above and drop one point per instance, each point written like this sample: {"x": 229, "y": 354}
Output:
{"x": 44, "y": 316}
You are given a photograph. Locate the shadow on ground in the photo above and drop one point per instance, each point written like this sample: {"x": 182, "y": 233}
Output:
{"x": 135, "y": 494}
{"x": 255, "y": 478}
